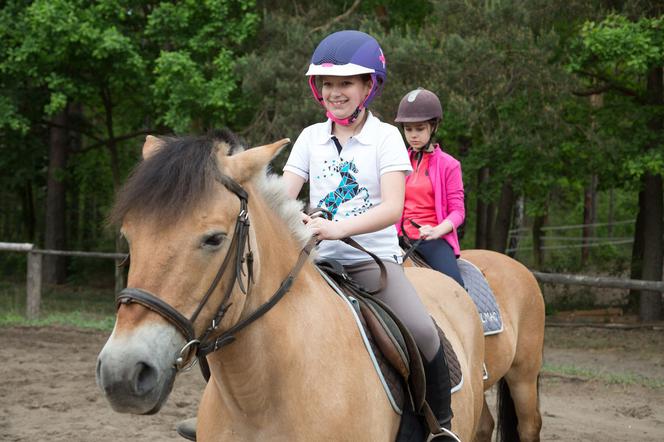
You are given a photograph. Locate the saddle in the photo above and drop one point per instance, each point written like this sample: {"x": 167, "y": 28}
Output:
{"x": 392, "y": 341}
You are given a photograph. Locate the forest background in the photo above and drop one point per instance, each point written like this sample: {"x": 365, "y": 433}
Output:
{"x": 554, "y": 107}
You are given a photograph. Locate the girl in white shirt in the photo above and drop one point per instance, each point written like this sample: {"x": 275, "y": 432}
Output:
{"x": 356, "y": 167}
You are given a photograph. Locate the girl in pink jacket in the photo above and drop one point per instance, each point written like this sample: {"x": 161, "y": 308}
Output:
{"x": 434, "y": 203}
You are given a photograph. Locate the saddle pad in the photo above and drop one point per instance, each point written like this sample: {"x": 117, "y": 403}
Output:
{"x": 392, "y": 378}
{"x": 395, "y": 402}
{"x": 479, "y": 290}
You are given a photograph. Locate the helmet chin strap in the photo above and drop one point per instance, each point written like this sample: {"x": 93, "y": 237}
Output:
{"x": 345, "y": 121}
{"x": 353, "y": 117}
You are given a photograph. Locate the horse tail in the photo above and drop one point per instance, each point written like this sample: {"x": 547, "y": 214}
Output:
{"x": 507, "y": 419}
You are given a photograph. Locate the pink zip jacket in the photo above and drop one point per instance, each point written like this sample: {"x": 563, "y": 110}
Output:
{"x": 445, "y": 174}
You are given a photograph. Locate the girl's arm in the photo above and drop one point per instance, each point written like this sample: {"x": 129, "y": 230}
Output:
{"x": 294, "y": 184}
{"x": 392, "y": 189}
{"x": 456, "y": 211}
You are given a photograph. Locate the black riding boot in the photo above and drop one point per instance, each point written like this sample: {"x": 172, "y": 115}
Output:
{"x": 439, "y": 395}
{"x": 187, "y": 428}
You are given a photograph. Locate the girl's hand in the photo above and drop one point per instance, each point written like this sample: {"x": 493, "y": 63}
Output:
{"x": 428, "y": 233}
{"x": 324, "y": 229}
{"x": 305, "y": 218}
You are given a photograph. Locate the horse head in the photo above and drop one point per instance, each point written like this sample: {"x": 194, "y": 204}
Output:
{"x": 348, "y": 166}
{"x": 183, "y": 212}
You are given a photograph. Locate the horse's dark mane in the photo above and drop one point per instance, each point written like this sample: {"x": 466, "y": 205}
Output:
{"x": 176, "y": 179}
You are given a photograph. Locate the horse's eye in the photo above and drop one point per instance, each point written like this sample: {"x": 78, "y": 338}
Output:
{"x": 214, "y": 240}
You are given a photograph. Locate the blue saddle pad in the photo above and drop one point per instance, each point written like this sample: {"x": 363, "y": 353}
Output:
{"x": 479, "y": 290}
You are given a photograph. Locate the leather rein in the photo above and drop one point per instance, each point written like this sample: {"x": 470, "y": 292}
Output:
{"x": 197, "y": 348}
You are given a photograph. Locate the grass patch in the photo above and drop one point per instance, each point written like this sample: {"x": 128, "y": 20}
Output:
{"x": 635, "y": 341}
{"x": 608, "y": 378}
{"x": 67, "y": 305}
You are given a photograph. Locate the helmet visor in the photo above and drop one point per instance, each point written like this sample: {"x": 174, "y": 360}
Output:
{"x": 338, "y": 70}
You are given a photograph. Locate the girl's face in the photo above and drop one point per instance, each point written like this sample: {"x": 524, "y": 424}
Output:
{"x": 417, "y": 134}
{"x": 342, "y": 95}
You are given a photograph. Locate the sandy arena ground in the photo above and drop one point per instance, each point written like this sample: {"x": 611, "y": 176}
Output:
{"x": 48, "y": 391}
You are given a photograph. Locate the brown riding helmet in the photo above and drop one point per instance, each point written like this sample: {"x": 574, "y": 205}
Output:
{"x": 419, "y": 105}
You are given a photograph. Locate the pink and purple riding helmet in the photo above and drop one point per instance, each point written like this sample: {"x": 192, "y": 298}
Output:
{"x": 347, "y": 53}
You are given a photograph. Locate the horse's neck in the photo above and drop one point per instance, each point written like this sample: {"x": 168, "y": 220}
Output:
{"x": 295, "y": 336}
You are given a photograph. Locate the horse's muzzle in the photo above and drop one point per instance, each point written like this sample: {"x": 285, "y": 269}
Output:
{"x": 134, "y": 373}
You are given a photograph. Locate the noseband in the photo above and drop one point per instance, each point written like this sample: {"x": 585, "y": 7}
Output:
{"x": 204, "y": 345}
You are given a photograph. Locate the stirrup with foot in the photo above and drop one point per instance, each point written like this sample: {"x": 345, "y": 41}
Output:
{"x": 187, "y": 428}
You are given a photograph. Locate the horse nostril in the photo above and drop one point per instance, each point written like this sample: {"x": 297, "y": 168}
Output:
{"x": 145, "y": 378}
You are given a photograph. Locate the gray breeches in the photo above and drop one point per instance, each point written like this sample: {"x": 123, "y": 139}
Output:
{"x": 400, "y": 295}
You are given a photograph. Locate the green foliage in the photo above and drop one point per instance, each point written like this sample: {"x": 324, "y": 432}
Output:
{"x": 615, "y": 55}
{"x": 619, "y": 50}
{"x": 397, "y": 13}
{"x": 194, "y": 72}
{"x": 118, "y": 69}
{"x": 511, "y": 75}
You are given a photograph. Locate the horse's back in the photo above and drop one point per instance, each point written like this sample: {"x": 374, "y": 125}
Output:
{"x": 456, "y": 315}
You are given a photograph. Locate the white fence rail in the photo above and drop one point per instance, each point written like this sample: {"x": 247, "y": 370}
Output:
{"x": 522, "y": 234}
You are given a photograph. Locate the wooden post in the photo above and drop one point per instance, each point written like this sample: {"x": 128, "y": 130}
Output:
{"x": 33, "y": 285}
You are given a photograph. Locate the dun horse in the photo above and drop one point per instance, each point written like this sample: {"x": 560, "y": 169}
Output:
{"x": 513, "y": 357}
{"x": 291, "y": 364}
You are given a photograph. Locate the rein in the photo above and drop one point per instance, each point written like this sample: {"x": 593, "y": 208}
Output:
{"x": 203, "y": 345}
{"x": 411, "y": 245}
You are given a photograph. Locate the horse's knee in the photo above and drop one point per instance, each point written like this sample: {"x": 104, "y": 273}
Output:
{"x": 529, "y": 431}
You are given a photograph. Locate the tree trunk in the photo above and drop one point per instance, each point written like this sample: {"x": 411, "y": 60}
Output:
{"x": 517, "y": 225}
{"x": 609, "y": 218}
{"x": 650, "y": 305}
{"x": 636, "y": 264}
{"x": 111, "y": 144}
{"x": 538, "y": 233}
{"x": 29, "y": 217}
{"x": 589, "y": 217}
{"x": 490, "y": 216}
{"x": 503, "y": 219}
{"x": 74, "y": 226}
{"x": 55, "y": 267}
{"x": 481, "y": 210}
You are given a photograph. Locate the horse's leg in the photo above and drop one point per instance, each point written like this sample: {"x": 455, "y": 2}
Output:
{"x": 486, "y": 424}
{"x": 523, "y": 387}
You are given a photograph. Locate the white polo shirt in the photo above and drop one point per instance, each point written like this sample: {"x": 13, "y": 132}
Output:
{"x": 348, "y": 183}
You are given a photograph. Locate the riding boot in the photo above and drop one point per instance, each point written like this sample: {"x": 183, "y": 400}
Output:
{"x": 439, "y": 396}
{"x": 187, "y": 428}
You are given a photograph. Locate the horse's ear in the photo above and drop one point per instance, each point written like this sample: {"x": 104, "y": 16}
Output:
{"x": 244, "y": 165}
{"x": 151, "y": 146}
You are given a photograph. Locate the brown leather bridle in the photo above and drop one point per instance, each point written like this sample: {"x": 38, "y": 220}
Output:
{"x": 199, "y": 348}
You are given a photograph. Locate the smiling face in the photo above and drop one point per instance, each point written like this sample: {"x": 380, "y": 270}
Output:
{"x": 417, "y": 134}
{"x": 342, "y": 95}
